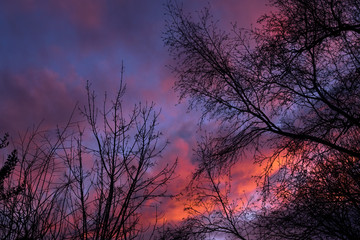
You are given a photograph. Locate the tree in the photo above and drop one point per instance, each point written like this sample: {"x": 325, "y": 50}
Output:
{"x": 77, "y": 187}
{"x": 211, "y": 209}
{"x": 7, "y": 169}
{"x": 289, "y": 93}
{"x": 36, "y": 211}
{"x": 107, "y": 201}
{"x": 325, "y": 205}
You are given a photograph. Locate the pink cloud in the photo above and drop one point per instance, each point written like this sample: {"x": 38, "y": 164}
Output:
{"x": 35, "y": 95}
{"x": 86, "y": 14}
{"x": 245, "y": 12}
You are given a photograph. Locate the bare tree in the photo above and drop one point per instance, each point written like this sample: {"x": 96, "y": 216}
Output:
{"x": 93, "y": 179}
{"x": 36, "y": 210}
{"x": 109, "y": 198}
{"x": 319, "y": 203}
{"x": 289, "y": 93}
{"x": 212, "y": 209}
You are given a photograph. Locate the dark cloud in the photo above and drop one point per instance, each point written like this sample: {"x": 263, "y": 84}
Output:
{"x": 36, "y": 95}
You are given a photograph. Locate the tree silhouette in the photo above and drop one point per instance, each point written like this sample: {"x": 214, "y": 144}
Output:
{"x": 212, "y": 211}
{"x": 36, "y": 212}
{"x": 107, "y": 201}
{"x": 288, "y": 92}
{"x": 73, "y": 186}
{"x": 6, "y": 171}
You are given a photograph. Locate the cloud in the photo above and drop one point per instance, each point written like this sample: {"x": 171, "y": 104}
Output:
{"x": 86, "y": 14}
{"x": 35, "y": 95}
{"x": 50, "y": 48}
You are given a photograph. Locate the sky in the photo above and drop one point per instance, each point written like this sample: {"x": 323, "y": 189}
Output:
{"x": 50, "y": 49}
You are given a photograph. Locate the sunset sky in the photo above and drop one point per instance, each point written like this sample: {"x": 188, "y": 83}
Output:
{"x": 49, "y": 49}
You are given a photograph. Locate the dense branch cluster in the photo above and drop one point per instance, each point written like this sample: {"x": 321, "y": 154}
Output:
{"x": 287, "y": 92}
